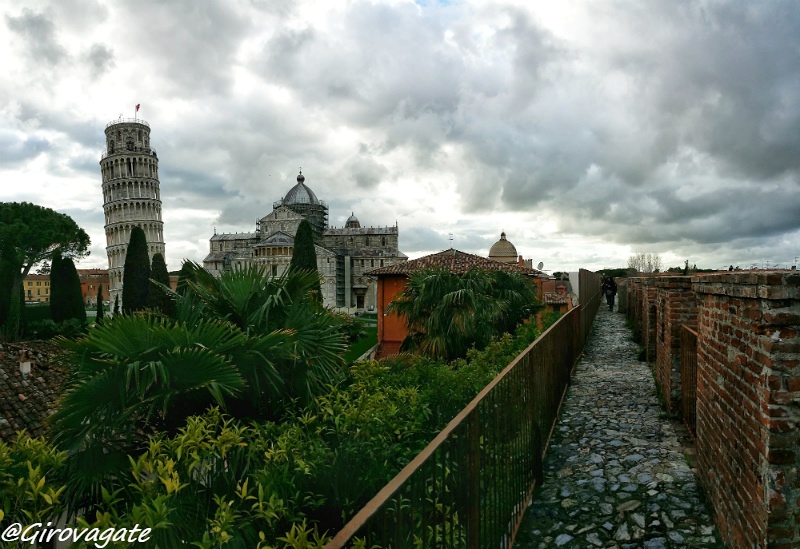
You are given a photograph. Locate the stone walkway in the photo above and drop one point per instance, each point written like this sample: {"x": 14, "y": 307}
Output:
{"x": 615, "y": 473}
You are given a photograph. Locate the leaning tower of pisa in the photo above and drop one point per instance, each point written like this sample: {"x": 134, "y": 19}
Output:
{"x": 131, "y": 194}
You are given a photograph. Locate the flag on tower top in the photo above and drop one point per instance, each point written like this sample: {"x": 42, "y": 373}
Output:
{"x": 137, "y": 107}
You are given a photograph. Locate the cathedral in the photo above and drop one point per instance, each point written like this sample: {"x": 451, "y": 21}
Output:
{"x": 344, "y": 254}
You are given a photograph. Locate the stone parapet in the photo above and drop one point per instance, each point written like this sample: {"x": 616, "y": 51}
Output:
{"x": 747, "y": 390}
{"x": 676, "y": 306}
{"x": 748, "y": 404}
{"x": 648, "y": 318}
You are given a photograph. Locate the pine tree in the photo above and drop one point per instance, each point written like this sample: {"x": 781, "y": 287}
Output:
{"x": 136, "y": 276}
{"x": 304, "y": 255}
{"x": 100, "y": 310}
{"x": 158, "y": 298}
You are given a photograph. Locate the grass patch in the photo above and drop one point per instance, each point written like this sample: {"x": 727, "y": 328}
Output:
{"x": 363, "y": 344}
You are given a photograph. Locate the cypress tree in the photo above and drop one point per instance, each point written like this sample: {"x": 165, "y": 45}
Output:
{"x": 57, "y": 290}
{"x": 158, "y": 298}
{"x": 66, "y": 300}
{"x": 304, "y": 255}
{"x": 100, "y": 310}
{"x": 116, "y": 305}
{"x": 136, "y": 275}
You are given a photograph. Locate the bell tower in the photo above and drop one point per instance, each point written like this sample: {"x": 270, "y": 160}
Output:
{"x": 131, "y": 194}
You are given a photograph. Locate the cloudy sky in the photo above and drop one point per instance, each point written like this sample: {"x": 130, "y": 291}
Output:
{"x": 586, "y": 130}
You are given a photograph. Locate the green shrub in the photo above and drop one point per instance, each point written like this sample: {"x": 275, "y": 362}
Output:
{"x": 40, "y": 311}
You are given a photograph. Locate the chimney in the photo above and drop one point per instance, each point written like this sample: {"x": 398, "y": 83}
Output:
{"x": 24, "y": 362}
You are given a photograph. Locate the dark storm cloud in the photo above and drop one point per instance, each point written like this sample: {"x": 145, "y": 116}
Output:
{"x": 722, "y": 82}
{"x": 38, "y": 35}
{"x": 186, "y": 185}
{"x": 15, "y": 150}
{"x": 373, "y": 69}
{"x": 188, "y": 46}
{"x": 366, "y": 172}
{"x": 422, "y": 238}
{"x": 725, "y": 79}
{"x": 100, "y": 59}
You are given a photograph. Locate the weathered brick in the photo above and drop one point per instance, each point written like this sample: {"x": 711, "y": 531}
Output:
{"x": 748, "y": 418}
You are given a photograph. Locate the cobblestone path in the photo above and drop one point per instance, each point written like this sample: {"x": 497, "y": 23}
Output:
{"x": 615, "y": 473}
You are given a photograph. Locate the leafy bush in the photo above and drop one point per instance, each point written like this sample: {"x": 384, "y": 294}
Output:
{"x": 218, "y": 480}
{"x": 352, "y": 327}
{"x": 47, "y": 329}
{"x": 37, "y": 312}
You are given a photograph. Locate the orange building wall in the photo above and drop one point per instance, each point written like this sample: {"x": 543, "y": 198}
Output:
{"x": 391, "y": 328}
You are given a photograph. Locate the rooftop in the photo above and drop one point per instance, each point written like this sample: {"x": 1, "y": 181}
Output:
{"x": 27, "y": 402}
{"x": 454, "y": 261}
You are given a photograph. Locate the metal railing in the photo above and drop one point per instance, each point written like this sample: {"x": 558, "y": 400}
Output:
{"x": 470, "y": 486}
{"x": 689, "y": 378}
{"x": 121, "y": 120}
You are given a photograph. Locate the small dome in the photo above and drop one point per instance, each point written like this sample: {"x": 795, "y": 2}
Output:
{"x": 300, "y": 194}
{"x": 503, "y": 250}
{"x": 352, "y": 222}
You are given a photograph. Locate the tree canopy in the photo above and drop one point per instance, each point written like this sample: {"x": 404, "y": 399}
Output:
{"x": 29, "y": 235}
{"x": 448, "y": 313}
{"x": 253, "y": 345}
{"x": 136, "y": 274}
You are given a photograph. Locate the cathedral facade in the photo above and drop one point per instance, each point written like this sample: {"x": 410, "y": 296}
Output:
{"x": 344, "y": 254}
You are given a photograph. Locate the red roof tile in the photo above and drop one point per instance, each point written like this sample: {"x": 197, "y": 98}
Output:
{"x": 455, "y": 261}
{"x": 26, "y": 402}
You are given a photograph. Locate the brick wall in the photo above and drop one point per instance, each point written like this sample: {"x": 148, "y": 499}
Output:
{"x": 748, "y": 408}
{"x": 622, "y": 295}
{"x": 648, "y": 316}
{"x": 675, "y": 307}
{"x": 748, "y": 392}
{"x": 633, "y": 299}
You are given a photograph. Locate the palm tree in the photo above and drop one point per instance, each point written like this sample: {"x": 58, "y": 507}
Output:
{"x": 448, "y": 313}
{"x": 245, "y": 342}
{"x": 133, "y": 376}
{"x": 257, "y": 303}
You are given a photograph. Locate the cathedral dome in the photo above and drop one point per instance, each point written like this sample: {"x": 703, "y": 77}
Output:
{"x": 352, "y": 222}
{"x": 300, "y": 194}
{"x": 503, "y": 250}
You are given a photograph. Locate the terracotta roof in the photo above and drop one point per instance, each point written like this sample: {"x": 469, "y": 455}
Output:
{"x": 26, "y": 402}
{"x": 455, "y": 261}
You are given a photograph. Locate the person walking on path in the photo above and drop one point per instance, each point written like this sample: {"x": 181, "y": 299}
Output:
{"x": 609, "y": 290}
{"x": 615, "y": 475}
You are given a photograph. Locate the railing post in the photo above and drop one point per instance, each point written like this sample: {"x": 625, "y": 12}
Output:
{"x": 538, "y": 472}
{"x": 474, "y": 480}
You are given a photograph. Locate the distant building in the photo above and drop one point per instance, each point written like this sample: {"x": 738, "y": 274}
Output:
{"x": 36, "y": 288}
{"x": 392, "y": 280}
{"x": 557, "y": 296}
{"x": 505, "y": 252}
{"x": 344, "y": 254}
{"x": 131, "y": 195}
{"x": 91, "y": 280}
